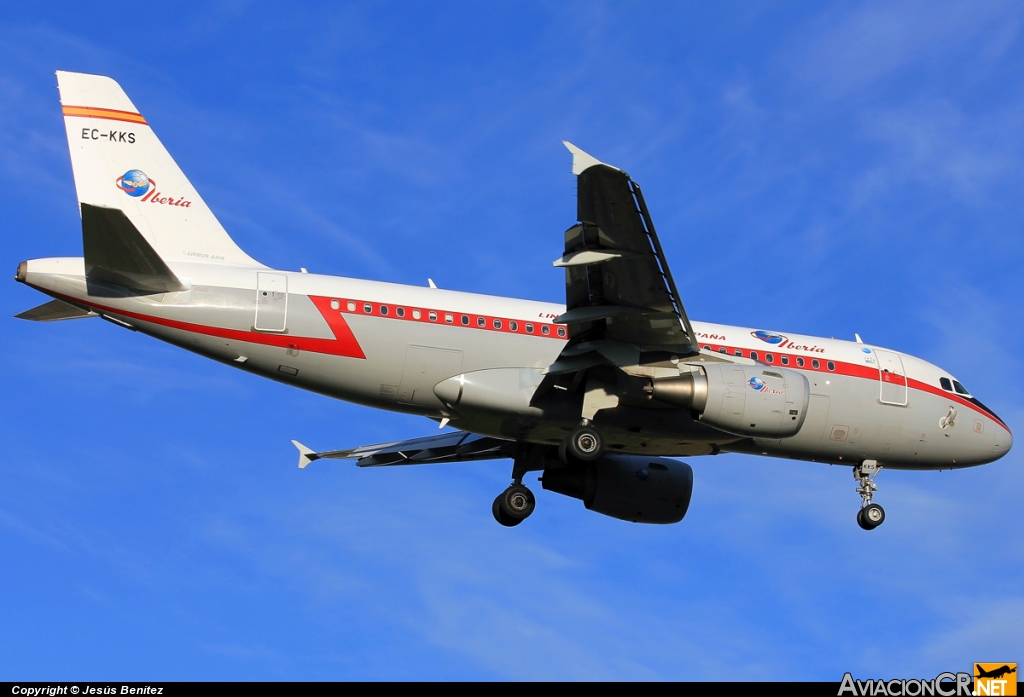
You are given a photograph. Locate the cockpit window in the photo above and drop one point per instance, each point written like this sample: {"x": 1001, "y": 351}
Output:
{"x": 960, "y": 389}
{"x": 945, "y": 384}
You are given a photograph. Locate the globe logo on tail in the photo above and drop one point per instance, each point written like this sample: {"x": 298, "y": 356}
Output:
{"x": 134, "y": 182}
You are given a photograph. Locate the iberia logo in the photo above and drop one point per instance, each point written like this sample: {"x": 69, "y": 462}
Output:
{"x": 995, "y": 679}
{"x": 136, "y": 184}
{"x": 759, "y": 385}
{"x": 768, "y": 337}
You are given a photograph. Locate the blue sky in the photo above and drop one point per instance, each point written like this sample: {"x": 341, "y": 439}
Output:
{"x": 825, "y": 169}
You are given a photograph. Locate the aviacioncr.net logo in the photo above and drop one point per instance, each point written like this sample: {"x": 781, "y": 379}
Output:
{"x": 943, "y": 685}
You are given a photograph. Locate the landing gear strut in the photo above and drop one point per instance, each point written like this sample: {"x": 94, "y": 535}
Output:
{"x": 870, "y": 515}
{"x": 516, "y": 503}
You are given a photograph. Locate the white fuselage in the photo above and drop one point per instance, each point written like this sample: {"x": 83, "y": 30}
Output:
{"x": 387, "y": 345}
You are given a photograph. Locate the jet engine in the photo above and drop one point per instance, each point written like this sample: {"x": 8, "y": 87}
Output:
{"x": 748, "y": 400}
{"x": 628, "y": 487}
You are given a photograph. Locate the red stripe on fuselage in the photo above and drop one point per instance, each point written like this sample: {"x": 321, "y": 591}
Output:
{"x": 344, "y": 342}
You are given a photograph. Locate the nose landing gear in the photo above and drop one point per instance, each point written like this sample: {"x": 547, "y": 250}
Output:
{"x": 870, "y": 515}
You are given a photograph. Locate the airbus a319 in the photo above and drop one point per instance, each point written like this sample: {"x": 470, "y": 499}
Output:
{"x": 599, "y": 394}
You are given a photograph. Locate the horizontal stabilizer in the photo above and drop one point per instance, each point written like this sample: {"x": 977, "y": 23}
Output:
{"x": 305, "y": 454}
{"x": 53, "y": 311}
{"x": 458, "y": 446}
{"x": 116, "y": 252}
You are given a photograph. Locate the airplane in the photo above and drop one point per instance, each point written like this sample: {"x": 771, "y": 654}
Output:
{"x": 600, "y": 394}
{"x": 996, "y": 672}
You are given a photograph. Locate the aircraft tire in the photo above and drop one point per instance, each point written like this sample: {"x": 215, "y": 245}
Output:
{"x": 514, "y": 505}
{"x": 871, "y": 516}
{"x": 585, "y": 444}
{"x": 499, "y": 515}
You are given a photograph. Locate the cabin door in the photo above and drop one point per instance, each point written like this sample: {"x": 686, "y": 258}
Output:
{"x": 893, "y": 378}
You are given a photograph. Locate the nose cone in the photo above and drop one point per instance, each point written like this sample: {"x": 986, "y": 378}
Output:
{"x": 1003, "y": 442}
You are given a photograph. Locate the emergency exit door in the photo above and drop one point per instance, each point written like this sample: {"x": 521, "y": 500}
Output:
{"x": 271, "y": 302}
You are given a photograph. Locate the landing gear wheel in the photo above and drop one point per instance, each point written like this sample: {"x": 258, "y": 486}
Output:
{"x": 585, "y": 444}
{"x": 871, "y": 516}
{"x": 514, "y": 505}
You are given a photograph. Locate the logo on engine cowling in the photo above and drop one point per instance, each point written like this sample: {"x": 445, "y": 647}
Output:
{"x": 759, "y": 385}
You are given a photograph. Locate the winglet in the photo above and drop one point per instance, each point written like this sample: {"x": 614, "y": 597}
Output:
{"x": 305, "y": 454}
{"x": 580, "y": 159}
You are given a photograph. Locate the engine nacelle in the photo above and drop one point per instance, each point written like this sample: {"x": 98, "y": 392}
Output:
{"x": 748, "y": 400}
{"x": 628, "y": 487}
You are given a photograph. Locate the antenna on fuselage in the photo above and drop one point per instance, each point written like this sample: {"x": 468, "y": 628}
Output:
{"x": 430, "y": 282}
{"x": 857, "y": 337}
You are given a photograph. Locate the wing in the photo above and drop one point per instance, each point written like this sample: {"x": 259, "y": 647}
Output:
{"x": 457, "y": 446}
{"x": 619, "y": 289}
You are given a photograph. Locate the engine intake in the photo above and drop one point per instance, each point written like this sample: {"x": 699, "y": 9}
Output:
{"x": 747, "y": 400}
{"x": 628, "y": 487}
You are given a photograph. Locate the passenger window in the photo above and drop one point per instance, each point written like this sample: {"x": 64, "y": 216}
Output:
{"x": 737, "y": 352}
{"x": 432, "y": 316}
{"x": 723, "y": 350}
{"x": 784, "y": 359}
{"x": 945, "y": 384}
{"x": 561, "y": 331}
{"x": 400, "y": 311}
{"x": 960, "y": 389}
{"x": 545, "y": 329}
{"x": 800, "y": 361}
{"x": 769, "y": 357}
{"x": 368, "y": 308}
{"x": 383, "y": 309}
{"x": 416, "y": 314}
{"x": 753, "y": 355}
{"x": 335, "y": 304}
{"x": 465, "y": 320}
{"x": 481, "y": 322}
{"x": 529, "y": 328}
{"x": 351, "y": 306}
{"x": 449, "y": 318}
{"x": 815, "y": 364}
{"x": 830, "y": 365}
{"x": 497, "y": 324}
{"x": 513, "y": 325}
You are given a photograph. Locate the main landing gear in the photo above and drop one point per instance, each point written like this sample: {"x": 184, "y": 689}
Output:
{"x": 871, "y": 515}
{"x": 583, "y": 444}
{"x": 516, "y": 503}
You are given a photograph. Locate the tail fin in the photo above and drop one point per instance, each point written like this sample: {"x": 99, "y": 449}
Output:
{"x": 119, "y": 163}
